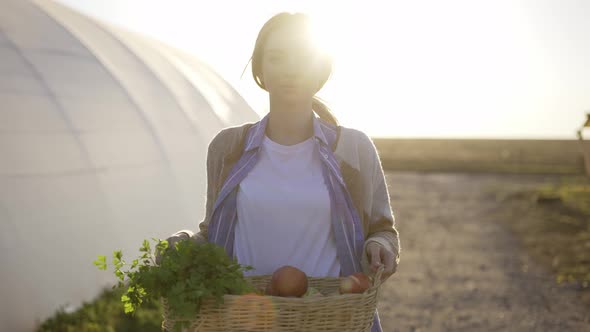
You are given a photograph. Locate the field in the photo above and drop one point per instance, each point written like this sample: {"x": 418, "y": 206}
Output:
{"x": 495, "y": 235}
{"x": 497, "y": 156}
{"x": 479, "y": 253}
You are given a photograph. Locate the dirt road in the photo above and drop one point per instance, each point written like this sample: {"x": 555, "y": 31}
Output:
{"x": 461, "y": 270}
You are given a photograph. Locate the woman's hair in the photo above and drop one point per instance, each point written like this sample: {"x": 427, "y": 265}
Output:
{"x": 299, "y": 21}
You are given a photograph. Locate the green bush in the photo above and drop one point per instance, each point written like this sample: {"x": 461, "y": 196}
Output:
{"x": 106, "y": 314}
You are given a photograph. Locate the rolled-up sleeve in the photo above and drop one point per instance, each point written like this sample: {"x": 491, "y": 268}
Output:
{"x": 381, "y": 224}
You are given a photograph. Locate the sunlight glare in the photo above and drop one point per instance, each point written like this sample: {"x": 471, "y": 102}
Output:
{"x": 322, "y": 37}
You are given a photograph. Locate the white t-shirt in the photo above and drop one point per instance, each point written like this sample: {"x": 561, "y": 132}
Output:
{"x": 283, "y": 209}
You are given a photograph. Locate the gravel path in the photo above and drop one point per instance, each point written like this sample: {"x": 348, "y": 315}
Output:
{"x": 461, "y": 270}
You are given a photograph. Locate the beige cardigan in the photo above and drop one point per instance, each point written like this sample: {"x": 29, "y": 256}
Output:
{"x": 360, "y": 167}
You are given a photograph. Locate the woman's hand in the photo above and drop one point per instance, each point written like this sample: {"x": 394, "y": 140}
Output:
{"x": 379, "y": 255}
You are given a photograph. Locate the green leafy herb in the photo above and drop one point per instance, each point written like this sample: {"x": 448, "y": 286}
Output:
{"x": 187, "y": 275}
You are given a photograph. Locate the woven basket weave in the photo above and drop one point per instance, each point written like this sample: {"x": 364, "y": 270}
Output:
{"x": 245, "y": 313}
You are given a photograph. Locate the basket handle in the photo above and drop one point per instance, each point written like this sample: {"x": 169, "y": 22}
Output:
{"x": 377, "y": 277}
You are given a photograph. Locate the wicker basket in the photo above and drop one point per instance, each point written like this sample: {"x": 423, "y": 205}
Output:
{"x": 331, "y": 312}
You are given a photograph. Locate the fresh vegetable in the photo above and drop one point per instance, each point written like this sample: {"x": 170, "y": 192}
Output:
{"x": 354, "y": 283}
{"x": 187, "y": 275}
{"x": 288, "y": 281}
{"x": 313, "y": 292}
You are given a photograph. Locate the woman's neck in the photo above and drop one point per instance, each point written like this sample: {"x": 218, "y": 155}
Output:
{"x": 290, "y": 123}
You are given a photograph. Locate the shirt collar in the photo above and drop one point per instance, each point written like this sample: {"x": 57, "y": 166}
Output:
{"x": 324, "y": 132}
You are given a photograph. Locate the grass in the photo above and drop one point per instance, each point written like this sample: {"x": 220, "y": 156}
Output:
{"x": 572, "y": 261}
{"x": 553, "y": 223}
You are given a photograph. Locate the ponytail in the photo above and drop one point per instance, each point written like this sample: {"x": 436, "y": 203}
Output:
{"x": 323, "y": 111}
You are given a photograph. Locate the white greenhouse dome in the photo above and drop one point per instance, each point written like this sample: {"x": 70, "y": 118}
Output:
{"x": 103, "y": 140}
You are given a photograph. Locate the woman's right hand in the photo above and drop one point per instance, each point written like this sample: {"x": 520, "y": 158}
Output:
{"x": 172, "y": 240}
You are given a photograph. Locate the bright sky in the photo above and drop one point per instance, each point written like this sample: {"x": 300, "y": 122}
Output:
{"x": 421, "y": 68}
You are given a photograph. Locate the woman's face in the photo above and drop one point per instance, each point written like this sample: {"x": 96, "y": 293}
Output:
{"x": 291, "y": 67}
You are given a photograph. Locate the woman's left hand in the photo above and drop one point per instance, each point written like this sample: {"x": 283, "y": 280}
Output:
{"x": 379, "y": 255}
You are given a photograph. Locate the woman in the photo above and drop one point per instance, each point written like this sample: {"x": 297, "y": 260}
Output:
{"x": 297, "y": 189}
